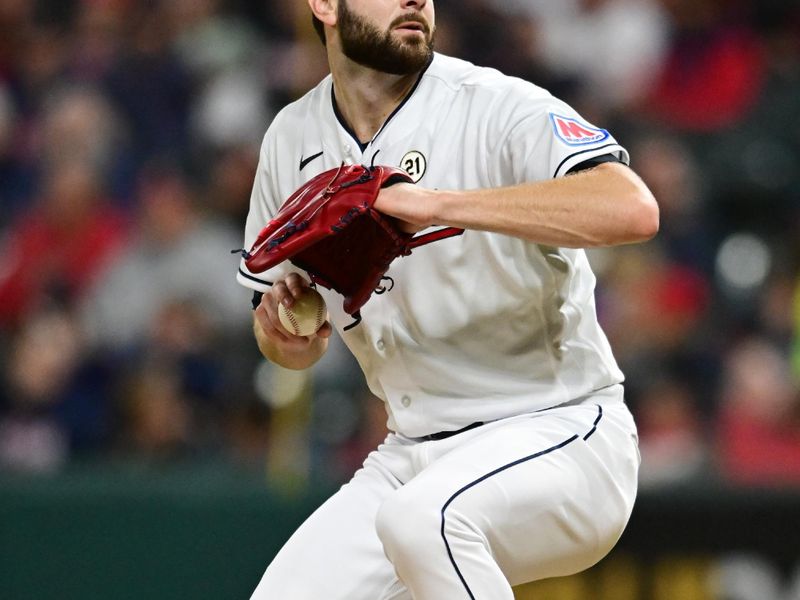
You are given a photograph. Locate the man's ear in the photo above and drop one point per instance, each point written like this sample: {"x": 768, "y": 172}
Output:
{"x": 324, "y": 10}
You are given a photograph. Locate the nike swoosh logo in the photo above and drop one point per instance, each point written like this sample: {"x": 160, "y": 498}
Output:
{"x": 305, "y": 161}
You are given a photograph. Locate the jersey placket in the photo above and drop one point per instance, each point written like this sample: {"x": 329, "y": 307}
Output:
{"x": 405, "y": 400}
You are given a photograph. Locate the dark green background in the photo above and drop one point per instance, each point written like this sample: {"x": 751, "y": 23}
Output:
{"x": 105, "y": 533}
{"x": 208, "y": 533}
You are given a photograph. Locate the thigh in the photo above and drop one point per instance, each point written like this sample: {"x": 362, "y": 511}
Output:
{"x": 336, "y": 554}
{"x": 550, "y": 493}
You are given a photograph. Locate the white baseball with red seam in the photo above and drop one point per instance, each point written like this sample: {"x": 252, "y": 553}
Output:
{"x": 306, "y": 315}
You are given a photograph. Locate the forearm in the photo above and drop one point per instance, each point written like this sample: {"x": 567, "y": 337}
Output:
{"x": 604, "y": 206}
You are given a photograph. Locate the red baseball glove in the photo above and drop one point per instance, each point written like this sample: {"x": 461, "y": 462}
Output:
{"x": 330, "y": 229}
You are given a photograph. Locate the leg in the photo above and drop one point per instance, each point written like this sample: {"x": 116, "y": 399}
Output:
{"x": 336, "y": 553}
{"x": 512, "y": 502}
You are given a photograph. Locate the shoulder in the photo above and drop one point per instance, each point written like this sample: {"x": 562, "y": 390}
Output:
{"x": 462, "y": 75}
{"x": 291, "y": 118}
{"x": 493, "y": 101}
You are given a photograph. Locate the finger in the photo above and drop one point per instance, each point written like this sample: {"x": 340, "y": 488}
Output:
{"x": 275, "y": 329}
{"x": 267, "y": 323}
{"x": 296, "y": 284}
{"x": 325, "y": 331}
{"x": 281, "y": 294}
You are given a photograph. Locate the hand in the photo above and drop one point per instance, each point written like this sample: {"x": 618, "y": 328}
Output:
{"x": 266, "y": 315}
{"x": 409, "y": 204}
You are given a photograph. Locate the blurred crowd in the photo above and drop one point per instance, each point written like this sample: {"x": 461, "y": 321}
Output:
{"x": 129, "y": 135}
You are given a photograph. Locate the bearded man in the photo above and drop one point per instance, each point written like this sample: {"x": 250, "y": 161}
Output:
{"x": 512, "y": 455}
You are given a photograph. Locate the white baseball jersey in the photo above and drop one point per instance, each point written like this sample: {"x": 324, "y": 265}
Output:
{"x": 479, "y": 326}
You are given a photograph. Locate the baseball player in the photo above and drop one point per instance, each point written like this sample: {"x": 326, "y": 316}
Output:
{"x": 512, "y": 456}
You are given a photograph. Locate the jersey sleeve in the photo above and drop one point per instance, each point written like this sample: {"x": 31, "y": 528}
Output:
{"x": 264, "y": 204}
{"x": 548, "y": 138}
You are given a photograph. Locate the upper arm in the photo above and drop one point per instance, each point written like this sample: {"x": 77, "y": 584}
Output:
{"x": 545, "y": 138}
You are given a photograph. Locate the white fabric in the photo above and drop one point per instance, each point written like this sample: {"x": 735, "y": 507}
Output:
{"x": 477, "y": 327}
{"x": 538, "y": 495}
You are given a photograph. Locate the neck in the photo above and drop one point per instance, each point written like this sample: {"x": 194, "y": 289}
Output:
{"x": 366, "y": 97}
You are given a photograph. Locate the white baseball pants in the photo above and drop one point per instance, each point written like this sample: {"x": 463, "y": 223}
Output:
{"x": 525, "y": 498}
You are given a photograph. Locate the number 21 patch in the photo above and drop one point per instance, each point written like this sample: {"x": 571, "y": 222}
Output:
{"x": 576, "y": 133}
{"x": 414, "y": 164}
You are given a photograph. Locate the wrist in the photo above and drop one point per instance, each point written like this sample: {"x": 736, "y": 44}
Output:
{"x": 439, "y": 205}
{"x": 432, "y": 203}
{"x": 297, "y": 359}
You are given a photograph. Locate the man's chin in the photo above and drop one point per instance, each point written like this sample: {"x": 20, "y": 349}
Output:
{"x": 410, "y": 65}
{"x": 414, "y": 52}
{"x": 398, "y": 55}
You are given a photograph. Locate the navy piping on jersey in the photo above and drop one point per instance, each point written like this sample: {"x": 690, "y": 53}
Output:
{"x": 593, "y": 162}
{"x": 256, "y": 279}
{"x": 574, "y": 154}
{"x": 563, "y": 444}
{"x": 343, "y": 123}
{"x": 594, "y": 425}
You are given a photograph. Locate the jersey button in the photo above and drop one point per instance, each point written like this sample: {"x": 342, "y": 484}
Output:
{"x": 380, "y": 345}
{"x": 405, "y": 401}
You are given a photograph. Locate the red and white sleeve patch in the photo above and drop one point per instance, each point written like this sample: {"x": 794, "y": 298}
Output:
{"x": 574, "y": 132}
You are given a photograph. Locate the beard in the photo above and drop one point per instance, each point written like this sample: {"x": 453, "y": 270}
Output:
{"x": 365, "y": 44}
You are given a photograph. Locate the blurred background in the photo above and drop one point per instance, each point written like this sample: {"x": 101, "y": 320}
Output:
{"x": 147, "y": 451}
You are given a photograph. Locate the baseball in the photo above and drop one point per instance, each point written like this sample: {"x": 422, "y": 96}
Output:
{"x": 306, "y": 315}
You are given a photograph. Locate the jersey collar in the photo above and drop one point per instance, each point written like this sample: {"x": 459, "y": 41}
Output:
{"x": 352, "y": 134}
